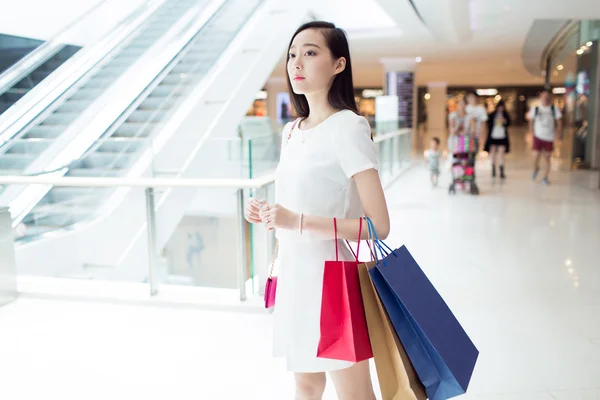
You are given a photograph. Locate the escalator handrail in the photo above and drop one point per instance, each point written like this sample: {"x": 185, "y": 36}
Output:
{"x": 42, "y": 53}
{"x": 28, "y": 64}
{"x": 22, "y": 113}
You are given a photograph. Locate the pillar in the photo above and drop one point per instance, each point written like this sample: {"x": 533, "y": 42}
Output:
{"x": 399, "y": 78}
{"x": 435, "y": 106}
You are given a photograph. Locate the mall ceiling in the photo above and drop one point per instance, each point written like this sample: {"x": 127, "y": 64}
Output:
{"x": 462, "y": 42}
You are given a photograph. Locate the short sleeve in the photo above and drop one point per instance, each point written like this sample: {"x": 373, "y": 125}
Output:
{"x": 354, "y": 147}
{"x": 483, "y": 116}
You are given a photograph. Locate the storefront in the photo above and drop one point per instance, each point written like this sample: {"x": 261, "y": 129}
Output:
{"x": 365, "y": 101}
{"x": 518, "y": 99}
{"x": 572, "y": 70}
{"x": 259, "y": 105}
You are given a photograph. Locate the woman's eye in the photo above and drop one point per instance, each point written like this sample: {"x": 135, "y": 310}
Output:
{"x": 291, "y": 55}
{"x": 310, "y": 53}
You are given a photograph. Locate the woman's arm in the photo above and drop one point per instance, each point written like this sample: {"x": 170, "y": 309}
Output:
{"x": 507, "y": 118}
{"x": 374, "y": 205}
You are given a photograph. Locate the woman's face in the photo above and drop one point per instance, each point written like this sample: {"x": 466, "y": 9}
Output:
{"x": 500, "y": 108}
{"x": 311, "y": 67}
{"x": 460, "y": 105}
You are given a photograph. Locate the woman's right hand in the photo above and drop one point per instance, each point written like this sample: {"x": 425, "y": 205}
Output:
{"x": 252, "y": 212}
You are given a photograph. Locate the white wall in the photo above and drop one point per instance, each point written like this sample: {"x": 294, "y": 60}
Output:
{"x": 39, "y": 19}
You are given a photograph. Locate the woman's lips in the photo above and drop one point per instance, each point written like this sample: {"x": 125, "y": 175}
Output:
{"x": 298, "y": 78}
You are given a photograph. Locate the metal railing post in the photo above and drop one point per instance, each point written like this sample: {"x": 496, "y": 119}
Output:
{"x": 152, "y": 250}
{"x": 243, "y": 245}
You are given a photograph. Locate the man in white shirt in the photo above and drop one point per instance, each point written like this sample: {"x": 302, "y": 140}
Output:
{"x": 477, "y": 113}
{"x": 545, "y": 122}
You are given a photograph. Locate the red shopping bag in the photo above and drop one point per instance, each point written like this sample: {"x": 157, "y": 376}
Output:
{"x": 344, "y": 333}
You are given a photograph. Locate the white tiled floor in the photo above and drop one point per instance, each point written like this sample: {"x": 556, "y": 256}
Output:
{"x": 518, "y": 265}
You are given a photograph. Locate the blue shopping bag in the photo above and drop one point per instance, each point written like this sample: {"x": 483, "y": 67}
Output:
{"x": 440, "y": 350}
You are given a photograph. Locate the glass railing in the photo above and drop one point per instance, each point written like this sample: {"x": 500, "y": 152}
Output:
{"x": 211, "y": 246}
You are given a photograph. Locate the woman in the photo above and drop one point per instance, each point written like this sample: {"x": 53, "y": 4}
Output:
{"x": 497, "y": 143}
{"x": 328, "y": 168}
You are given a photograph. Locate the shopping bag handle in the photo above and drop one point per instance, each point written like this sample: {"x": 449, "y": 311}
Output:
{"x": 371, "y": 248}
{"x": 335, "y": 231}
{"x": 379, "y": 244}
{"x": 372, "y": 239}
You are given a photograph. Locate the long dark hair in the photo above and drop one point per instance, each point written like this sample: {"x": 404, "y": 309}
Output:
{"x": 341, "y": 93}
{"x": 500, "y": 104}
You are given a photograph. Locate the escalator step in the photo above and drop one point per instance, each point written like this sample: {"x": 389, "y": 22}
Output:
{"x": 61, "y": 118}
{"x": 134, "y": 129}
{"x": 140, "y": 115}
{"x": 75, "y": 105}
{"x": 29, "y": 146}
{"x": 44, "y": 132}
{"x": 16, "y": 161}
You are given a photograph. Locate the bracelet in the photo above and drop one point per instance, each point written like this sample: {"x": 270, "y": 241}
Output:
{"x": 301, "y": 222}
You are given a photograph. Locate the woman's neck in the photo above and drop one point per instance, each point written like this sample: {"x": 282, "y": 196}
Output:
{"x": 320, "y": 109}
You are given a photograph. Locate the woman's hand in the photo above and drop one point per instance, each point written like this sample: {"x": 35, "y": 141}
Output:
{"x": 252, "y": 212}
{"x": 276, "y": 216}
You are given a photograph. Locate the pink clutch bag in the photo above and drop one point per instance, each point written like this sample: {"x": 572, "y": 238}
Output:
{"x": 271, "y": 285}
{"x": 270, "y": 292}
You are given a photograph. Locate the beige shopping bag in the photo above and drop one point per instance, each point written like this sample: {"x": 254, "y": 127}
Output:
{"x": 397, "y": 377}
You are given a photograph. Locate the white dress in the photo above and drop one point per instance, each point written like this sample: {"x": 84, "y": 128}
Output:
{"x": 314, "y": 177}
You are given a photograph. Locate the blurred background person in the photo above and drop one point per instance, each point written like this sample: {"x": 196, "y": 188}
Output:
{"x": 545, "y": 123}
{"x": 498, "y": 142}
{"x": 432, "y": 156}
{"x": 477, "y": 112}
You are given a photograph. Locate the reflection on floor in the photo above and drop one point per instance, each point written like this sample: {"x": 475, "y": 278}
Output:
{"x": 517, "y": 264}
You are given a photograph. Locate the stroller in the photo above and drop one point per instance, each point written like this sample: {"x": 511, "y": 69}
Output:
{"x": 464, "y": 150}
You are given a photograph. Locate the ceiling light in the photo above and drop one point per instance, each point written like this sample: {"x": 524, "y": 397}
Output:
{"x": 589, "y": 44}
{"x": 571, "y": 270}
{"x": 580, "y": 52}
{"x": 568, "y": 263}
{"x": 522, "y": 98}
{"x": 418, "y": 59}
{"x": 427, "y": 96}
{"x": 559, "y": 90}
{"x": 487, "y": 92}
{"x": 560, "y": 67}
{"x": 498, "y": 97}
{"x": 372, "y": 93}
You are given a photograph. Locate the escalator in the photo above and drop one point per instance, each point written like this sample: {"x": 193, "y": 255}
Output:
{"x": 176, "y": 125}
{"x": 13, "y": 92}
{"x": 121, "y": 146}
{"x": 25, "y": 147}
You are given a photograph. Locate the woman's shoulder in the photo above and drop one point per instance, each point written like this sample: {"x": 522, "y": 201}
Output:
{"x": 348, "y": 121}
{"x": 350, "y": 117}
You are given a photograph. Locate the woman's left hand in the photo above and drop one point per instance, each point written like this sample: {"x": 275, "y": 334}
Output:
{"x": 276, "y": 216}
